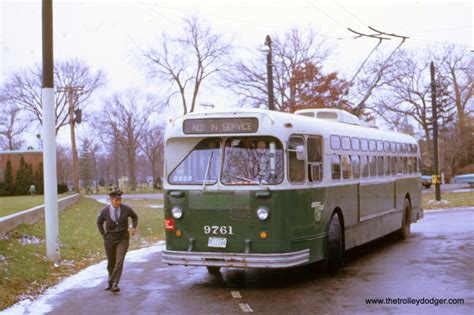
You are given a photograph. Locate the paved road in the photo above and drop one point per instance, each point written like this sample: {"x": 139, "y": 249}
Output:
{"x": 436, "y": 262}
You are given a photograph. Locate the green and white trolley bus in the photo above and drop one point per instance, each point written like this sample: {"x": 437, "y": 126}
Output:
{"x": 252, "y": 188}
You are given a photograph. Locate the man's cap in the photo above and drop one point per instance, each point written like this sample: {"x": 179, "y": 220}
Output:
{"x": 115, "y": 193}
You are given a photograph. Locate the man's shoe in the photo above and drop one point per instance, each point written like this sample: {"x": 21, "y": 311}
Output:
{"x": 115, "y": 288}
{"x": 109, "y": 287}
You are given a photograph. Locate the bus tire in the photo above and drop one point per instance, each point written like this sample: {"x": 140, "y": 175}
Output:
{"x": 213, "y": 270}
{"x": 335, "y": 245}
{"x": 404, "y": 231}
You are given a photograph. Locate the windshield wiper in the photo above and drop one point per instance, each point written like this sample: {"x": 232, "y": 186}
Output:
{"x": 207, "y": 171}
{"x": 248, "y": 180}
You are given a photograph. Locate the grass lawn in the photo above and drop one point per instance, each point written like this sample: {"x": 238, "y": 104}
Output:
{"x": 24, "y": 269}
{"x": 454, "y": 199}
{"x": 13, "y": 204}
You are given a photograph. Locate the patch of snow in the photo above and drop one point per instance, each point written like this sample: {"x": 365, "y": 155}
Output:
{"x": 462, "y": 190}
{"x": 435, "y": 202}
{"x": 29, "y": 240}
{"x": 155, "y": 206}
{"x": 103, "y": 200}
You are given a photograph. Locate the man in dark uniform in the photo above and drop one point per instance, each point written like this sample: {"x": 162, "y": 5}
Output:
{"x": 116, "y": 235}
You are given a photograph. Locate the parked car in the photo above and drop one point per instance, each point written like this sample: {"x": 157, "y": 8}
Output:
{"x": 426, "y": 181}
{"x": 466, "y": 178}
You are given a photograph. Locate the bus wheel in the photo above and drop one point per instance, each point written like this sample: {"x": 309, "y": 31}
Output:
{"x": 213, "y": 270}
{"x": 335, "y": 250}
{"x": 404, "y": 231}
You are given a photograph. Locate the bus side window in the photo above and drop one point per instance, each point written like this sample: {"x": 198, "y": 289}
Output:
{"x": 346, "y": 143}
{"x": 336, "y": 167}
{"x": 296, "y": 172}
{"x": 373, "y": 166}
{"x": 335, "y": 143}
{"x": 393, "y": 165}
{"x": 380, "y": 166}
{"x": 372, "y": 145}
{"x": 346, "y": 167}
{"x": 386, "y": 166}
{"x": 315, "y": 159}
{"x": 410, "y": 165}
{"x": 364, "y": 144}
{"x": 364, "y": 164}
{"x": 355, "y": 161}
{"x": 355, "y": 142}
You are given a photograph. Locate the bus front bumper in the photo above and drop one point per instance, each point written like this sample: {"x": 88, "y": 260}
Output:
{"x": 237, "y": 260}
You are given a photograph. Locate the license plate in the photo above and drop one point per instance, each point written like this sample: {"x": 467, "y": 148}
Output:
{"x": 217, "y": 242}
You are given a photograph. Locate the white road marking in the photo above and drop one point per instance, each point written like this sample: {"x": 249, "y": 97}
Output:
{"x": 236, "y": 294}
{"x": 245, "y": 307}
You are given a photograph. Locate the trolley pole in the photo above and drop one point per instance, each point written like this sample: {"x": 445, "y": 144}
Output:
{"x": 49, "y": 136}
{"x": 271, "y": 97}
{"x": 436, "y": 178}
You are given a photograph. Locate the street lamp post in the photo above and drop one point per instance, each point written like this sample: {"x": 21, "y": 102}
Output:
{"x": 271, "y": 98}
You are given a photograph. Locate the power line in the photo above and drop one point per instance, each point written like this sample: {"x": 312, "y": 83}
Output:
{"x": 365, "y": 24}
{"x": 442, "y": 29}
{"x": 439, "y": 43}
{"x": 333, "y": 19}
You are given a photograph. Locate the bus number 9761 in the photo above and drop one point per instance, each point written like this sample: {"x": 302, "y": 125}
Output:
{"x": 215, "y": 229}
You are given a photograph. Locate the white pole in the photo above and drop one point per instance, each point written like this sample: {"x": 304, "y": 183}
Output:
{"x": 50, "y": 179}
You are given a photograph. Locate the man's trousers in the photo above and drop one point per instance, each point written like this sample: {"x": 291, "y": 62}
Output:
{"x": 116, "y": 247}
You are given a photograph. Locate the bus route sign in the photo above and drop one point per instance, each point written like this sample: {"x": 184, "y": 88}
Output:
{"x": 220, "y": 125}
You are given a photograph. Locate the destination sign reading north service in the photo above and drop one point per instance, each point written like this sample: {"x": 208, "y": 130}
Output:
{"x": 220, "y": 125}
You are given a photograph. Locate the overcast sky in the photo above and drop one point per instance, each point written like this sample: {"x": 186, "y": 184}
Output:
{"x": 106, "y": 33}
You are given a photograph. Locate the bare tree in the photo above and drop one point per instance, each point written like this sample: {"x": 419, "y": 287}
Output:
{"x": 63, "y": 164}
{"x": 88, "y": 162}
{"x": 188, "y": 61}
{"x": 152, "y": 146}
{"x": 291, "y": 52}
{"x": 24, "y": 88}
{"x": 12, "y": 126}
{"x": 404, "y": 92}
{"x": 456, "y": 66}
{"x": 375, "y": 76}
{"x": 123, "y": 120}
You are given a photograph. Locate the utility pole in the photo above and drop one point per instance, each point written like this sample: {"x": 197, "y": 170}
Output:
{"x": 271, "y": 97}
{"x": 71, "y": 91}
{"x": 49, "y": 136}
{"x": 436, "y": 178}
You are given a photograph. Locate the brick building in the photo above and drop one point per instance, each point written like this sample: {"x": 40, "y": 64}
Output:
{"x": 33, "y": 157}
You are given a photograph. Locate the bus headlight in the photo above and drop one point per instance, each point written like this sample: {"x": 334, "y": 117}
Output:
{"x": 177, "y": 212}
{"x": 263, "y": 213}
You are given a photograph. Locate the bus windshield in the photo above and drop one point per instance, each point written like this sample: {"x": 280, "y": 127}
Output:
{"x": 252, "y": 160}
{"x": 201, "y": 166}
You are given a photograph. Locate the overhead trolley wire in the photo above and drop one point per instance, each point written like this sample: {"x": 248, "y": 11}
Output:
{"x": 330, "y": 17}
{"x": 365, "y": 24}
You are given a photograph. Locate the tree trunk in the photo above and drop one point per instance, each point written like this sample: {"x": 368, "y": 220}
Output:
{"x": 132, "y": 171}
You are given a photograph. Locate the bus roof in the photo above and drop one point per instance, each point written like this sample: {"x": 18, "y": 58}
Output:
{"x": 282, "y": 125}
